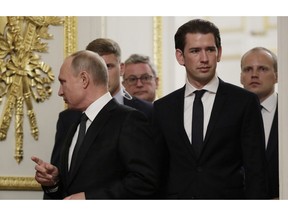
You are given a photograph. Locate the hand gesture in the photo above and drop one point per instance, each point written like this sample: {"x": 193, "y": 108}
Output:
{"x": 46, "y": 173}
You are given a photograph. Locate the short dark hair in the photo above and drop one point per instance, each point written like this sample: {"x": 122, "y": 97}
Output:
{"x": 105, "y": 46}
{"x": 196, "y": 26}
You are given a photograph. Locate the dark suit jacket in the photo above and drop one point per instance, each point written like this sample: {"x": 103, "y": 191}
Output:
{"x": 143, "y": 106}
{"x": 231, "y": 164}
{"x": 117, "y": 159}
{"x": 68, "y": 117}
{"x": 273, "y": 159}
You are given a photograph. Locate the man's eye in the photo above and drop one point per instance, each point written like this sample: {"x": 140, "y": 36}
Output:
{"x": 212, "y": 49}
{"x": 246, "y": 69}
{"x": 194, "y": 51}
{"x": 145, "y": 78}
{"x": 132, "y": 79}
{"x": 263, "y": 69}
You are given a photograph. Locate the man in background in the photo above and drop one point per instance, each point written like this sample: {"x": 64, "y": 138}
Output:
{"x": 140, "y": 77}
{"x": 259, "y": 75}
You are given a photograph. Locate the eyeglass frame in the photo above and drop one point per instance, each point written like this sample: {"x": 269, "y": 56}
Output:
{"x": 145, "y": 79}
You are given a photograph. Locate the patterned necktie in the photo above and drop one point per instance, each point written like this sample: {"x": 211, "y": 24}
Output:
{"x": 80, "y": 138}
{"x": 197, "y": 121}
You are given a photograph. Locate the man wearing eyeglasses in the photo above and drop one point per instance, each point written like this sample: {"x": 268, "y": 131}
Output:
{"x": 140, "y": 78}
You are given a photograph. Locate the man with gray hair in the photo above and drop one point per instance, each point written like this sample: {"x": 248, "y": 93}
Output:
{"x": 110, "y": 51}
{"x": 140, "y": 78}
{"x": 116, "y": 157}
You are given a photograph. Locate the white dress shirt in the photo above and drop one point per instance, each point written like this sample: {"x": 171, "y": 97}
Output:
{"x": 121, "y": 94}
{"x": 207, "y": 100}
{"x": 269, "y": 107}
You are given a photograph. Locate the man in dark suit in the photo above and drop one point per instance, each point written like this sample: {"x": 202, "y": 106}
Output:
{"x": 229, "y": 161}
{"x": 117, "y": 158}
{"x": 259, "y": 75}
{"x": 110, "y": 51}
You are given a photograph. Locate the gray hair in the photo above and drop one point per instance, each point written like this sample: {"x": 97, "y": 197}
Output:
{"x": 137, "y": 58}
{"x": 92, "y": 63}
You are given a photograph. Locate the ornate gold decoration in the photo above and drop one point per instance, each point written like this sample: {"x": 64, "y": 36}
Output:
{"x": 19, "y": 183}
{"x": 70, "y": 33}
{"x": 157, "y": 51}
{"x": 22, "y": 74}
{"x": 29, "y": 183}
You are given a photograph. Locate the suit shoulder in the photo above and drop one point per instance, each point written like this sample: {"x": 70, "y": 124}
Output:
{"x": 69, "y": 112}
{"x": 177, "y": 94}
{"x": 236, "y": 90}
{"x": 114, "y": 105}
{"x": 136, "y": 102}
{"x": 143, "y": 106}
{"x": 143, "y": 103}
{"x": 124, "y": 111}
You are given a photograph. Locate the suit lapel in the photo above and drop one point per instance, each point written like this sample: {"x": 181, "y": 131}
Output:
{"x": 96, "y": 126}
{"x": 178, "y": 120}
{"x": 219, "y": 102}
{"x": 130, "y": 102}
{"x": 273, "y": 137}
{"x": 67, "y": 144}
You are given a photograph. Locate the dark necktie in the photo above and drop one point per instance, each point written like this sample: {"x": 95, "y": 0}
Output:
{"x": 80, "y": 138}
{"x": 197, "y": 121}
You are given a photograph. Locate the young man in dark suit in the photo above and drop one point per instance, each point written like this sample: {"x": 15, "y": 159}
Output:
{"x": 259, "y": 75}
{"x": 117, "y": 158}
{"x": 225, "y": 158}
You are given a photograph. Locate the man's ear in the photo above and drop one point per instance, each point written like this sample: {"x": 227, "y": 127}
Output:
{"x": 219, "y": 54}
{"x": 121, "y": 69}
{"x": 179, "y": 56}
{"x": 84, "y": 76}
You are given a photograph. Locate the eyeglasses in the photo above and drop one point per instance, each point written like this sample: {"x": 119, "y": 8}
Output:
{"x": 132, "y": 80}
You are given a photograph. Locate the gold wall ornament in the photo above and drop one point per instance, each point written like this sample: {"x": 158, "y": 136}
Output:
{"x": 70, "y": 33}
{"x": 19, "y": 183}
{"x": 23, "y": 76}
{"x": 25, "y": 183}
{"x": 71, "y": 37}
{"x": 157, "y": 51}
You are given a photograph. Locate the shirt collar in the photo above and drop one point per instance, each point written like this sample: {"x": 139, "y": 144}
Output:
{"x": 211, "y": 87}
{"x": 119, "y": 96}
{"x": 270, "y": 103}
{"x": 97, "y": 105}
